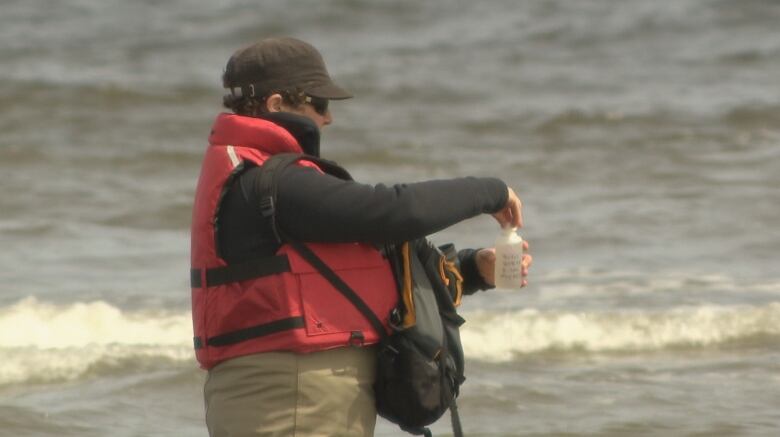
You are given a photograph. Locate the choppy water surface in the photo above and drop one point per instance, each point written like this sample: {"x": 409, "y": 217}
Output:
{"x": 642, "y": 137}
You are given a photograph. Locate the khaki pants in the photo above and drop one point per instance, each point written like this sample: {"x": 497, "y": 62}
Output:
{"x": 324, "y": 393}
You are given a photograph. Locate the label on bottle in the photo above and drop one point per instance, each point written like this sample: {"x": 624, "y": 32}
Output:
{"x": 509, "y": 258}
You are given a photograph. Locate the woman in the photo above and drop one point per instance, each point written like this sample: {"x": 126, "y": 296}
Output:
{"x": 277, "y": 339}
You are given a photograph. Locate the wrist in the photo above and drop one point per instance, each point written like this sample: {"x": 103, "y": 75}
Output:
{"x": 486, "y": 261}
{"x": 473, "y": 276}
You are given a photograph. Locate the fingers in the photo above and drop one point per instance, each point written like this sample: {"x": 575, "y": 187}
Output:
{"x": 501, "y": 219}
{"x": 526, "y": 265}
{"x": 511, "y": 215}
{"x": 515, "y": 207}
{"x": 504, "y": 218}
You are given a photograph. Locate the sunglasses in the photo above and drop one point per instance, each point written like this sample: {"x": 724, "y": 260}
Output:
{"x": 319, "y": 104}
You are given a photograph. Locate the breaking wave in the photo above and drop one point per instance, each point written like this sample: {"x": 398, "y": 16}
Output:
{"x": 502, "y": 336}
{"x": 42, "y": 342}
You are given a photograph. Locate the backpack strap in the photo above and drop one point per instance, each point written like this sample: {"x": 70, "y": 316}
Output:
{"x": 269, "y": 176}
{"x": 340, "y": 285}
{"x": 267, "y": 184}
{"x": 457, "y": 429}
{"x": 267, "y": 187}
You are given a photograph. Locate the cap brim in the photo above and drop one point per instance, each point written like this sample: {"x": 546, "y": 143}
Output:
{"x": 329, "y": 91}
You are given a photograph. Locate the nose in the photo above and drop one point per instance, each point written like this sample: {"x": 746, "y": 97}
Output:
{"x": 327, "y": 118}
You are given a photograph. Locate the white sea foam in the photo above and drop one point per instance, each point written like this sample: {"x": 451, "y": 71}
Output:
{"x": 44, "y": 342}
{"x": 501, "y": 336}
{"x": 30, "y": 322}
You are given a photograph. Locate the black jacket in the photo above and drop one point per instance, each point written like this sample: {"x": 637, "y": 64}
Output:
{"x": 317, "y": 207}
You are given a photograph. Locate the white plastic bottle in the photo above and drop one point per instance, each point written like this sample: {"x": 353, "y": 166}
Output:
{"x": 509, "y": 256}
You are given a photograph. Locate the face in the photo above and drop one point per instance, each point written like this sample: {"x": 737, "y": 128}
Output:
{"x": 311, "y": 109}
{"x": 320, "y": 117}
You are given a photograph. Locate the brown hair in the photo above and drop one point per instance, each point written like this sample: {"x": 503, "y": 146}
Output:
{"x": 255, "y": 105}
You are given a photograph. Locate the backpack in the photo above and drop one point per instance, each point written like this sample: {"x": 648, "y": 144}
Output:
{"x": 420, "y": 364}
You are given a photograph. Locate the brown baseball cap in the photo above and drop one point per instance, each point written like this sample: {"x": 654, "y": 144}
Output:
{"x": 277, "y": 64}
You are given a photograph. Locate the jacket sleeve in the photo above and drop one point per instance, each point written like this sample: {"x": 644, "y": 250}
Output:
{"x": 312, "y": 206}
{"x": 465, "y": 262}
{"x": 472, "y": 280}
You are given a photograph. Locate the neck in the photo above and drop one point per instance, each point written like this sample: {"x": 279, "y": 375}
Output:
{"x": 302, "y": 128}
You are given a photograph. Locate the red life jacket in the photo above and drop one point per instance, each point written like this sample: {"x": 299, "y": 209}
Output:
{"x": 278, "y": 303}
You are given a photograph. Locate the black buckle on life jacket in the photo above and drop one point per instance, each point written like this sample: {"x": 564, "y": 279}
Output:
{"x": 268, "y": 211}
{"x": 267, "y": 208}
{"x": 356, "y": 338}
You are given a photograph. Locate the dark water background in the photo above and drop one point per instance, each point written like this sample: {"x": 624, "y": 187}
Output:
{"x": 642, "y": 137}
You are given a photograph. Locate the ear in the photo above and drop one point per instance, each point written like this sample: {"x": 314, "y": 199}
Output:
{"x": 274, "y": 103}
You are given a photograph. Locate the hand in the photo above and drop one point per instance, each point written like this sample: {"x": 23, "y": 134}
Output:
{"x": 511, "y": 215}
{"x": 486, "y": 263}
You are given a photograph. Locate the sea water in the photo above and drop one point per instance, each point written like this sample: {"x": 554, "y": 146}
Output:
{"x": 642, "y": 138}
